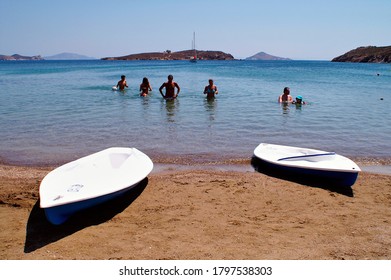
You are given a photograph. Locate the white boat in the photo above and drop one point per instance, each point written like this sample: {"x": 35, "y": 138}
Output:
{"x": 91, "y": 180}
{"x": 326, "y": 167}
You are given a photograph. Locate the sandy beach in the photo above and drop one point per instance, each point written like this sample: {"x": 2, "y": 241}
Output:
{"x": 202, "y": 214}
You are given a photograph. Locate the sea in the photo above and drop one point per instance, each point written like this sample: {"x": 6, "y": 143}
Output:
{"x": 52, "y": 112}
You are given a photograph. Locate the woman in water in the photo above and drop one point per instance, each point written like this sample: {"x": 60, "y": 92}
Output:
{"x": 210, "y": 90}
{"x": 145, "y": 87}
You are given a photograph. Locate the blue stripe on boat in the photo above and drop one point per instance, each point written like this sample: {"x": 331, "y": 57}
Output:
{"x": 306, "y": 156}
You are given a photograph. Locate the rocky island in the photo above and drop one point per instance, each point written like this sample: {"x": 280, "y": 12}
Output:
{"x": 265, "y": 56}
{"x": 180, "y": 55}
{"x": 366, "y": 54}
{"x": 20, "y": 57}
{"x": 68, "y": 56}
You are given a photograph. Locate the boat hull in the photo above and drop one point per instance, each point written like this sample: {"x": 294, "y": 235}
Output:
{"x": 91, "y": 180}
{"x": 310, "y": 176}
{"x": 314, "y": 166}
{"x": 57, "y": 215}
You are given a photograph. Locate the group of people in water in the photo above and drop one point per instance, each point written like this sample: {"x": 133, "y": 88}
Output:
{"x": 287, "y": 98}
{"x": 210, "y": 90}
{"x": 169, "y": 86}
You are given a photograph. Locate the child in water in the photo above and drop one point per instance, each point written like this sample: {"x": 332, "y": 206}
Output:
{"x": 299, "y": 100}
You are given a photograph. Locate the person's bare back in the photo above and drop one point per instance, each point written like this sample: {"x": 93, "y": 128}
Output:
{"x": 285, "y": 97}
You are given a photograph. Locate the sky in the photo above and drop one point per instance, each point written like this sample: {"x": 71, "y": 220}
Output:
{"x": 297, "y": 29}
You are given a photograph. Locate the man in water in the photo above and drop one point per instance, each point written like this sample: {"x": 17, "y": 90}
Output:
{"x": 170, "y": 86}
{"x": 285, "y": 97}
{"x": 122, "y": 83}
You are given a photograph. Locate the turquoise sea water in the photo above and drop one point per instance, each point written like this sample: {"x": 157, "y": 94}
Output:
{"x": 55, "y": 111}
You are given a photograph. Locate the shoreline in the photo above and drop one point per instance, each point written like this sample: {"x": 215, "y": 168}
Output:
{"x": 378, "y": 165}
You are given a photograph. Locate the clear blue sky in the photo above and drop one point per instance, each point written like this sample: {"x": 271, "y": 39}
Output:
{"x": 298, "y": 29}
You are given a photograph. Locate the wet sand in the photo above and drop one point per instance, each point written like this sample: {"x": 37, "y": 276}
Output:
{"x": 230, "y": 212}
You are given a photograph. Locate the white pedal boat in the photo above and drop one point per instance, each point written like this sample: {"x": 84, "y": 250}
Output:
{"x": 327, "y": 167}
{"x": 91, "y": 180}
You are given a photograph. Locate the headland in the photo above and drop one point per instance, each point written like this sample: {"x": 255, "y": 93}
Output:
{"x": 366, "y": 54}
{"x": 20, "y": 57}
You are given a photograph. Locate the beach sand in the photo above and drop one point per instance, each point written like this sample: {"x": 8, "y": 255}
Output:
{"x": 204, "y": 214}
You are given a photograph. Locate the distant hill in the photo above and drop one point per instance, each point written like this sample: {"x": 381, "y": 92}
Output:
{"x": 366, "y": 54}
{"x": 265, "y": 56}
{"x": 68, "y": 56}
{"x": 181, "y": 55}
{"x": 20, "y": 57}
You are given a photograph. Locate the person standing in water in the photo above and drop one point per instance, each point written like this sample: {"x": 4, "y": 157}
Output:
{"x": 285, "y": 97}
{"x": 145, "y": 87}
{"x": 210, "y": 90}
{"x": 122, "y": 83}
{"x": 170, "y": 86}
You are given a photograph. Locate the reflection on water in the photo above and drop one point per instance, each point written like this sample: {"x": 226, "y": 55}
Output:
{"x": 171, "y": 106}
{"x": 210, "y": 107}
{"x": 144, "y": 101}
{"x": 298, "y": 106}
{"x": 285, "y": 108}
{"x": 122, "y": 92}
{"x": 145, "y": 105}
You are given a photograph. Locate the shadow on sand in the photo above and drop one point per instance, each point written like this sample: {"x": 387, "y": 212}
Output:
{"x": 39, "y": 232}
{"x": 289, "y": 176}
